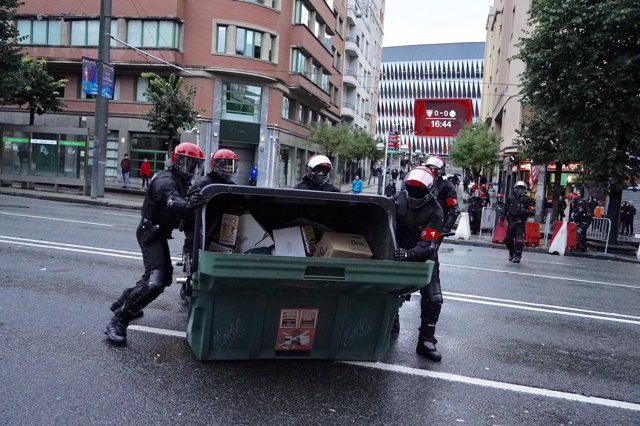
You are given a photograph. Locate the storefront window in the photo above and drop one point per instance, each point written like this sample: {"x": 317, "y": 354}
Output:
{"x": 151, "y": 147}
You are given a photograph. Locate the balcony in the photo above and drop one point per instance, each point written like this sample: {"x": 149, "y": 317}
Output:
{"x": 348, "y": 110}
{"x": 351, "y": 46}
{"x": 349, "y": 79}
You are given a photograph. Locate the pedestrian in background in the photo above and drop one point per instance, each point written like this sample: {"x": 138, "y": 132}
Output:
{"x": 125, "y": 168}
{"x": 145, "y": 172}
{"x": 253, "y": 176}
{"x": 582, "y": 218}
{"x": 356, "y": 185}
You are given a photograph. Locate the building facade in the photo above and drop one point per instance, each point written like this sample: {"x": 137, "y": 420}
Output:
{"x": 265, "y": 70}
{"x": 426, "y": 71}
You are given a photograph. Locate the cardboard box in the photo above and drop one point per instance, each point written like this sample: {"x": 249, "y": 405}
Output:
{"x": 229, "y": 229}
{"x": 309, "y": 238}
{"x": 219, "y": 248}
{"x": 289, "y": 242}
{"x": 251, "y": 234}
{"x": 348, "y": 246}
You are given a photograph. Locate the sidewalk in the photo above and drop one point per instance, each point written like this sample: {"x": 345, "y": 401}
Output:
{"x": 132, "y": 199}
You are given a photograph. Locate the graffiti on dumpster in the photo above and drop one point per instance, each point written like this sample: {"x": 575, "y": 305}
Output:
{"x": 225, "y": 338}
{"x": 351, "y": 334}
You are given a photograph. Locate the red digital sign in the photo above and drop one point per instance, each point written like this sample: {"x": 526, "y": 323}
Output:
{"x": 441, "y": 117}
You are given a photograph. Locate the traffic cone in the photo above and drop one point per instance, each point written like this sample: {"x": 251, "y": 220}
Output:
{"x": 559, "y": 242}
{"x": 463, "y": 231}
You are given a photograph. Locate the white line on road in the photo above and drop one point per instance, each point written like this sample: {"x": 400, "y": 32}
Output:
{"x": 55, "y": 218}
{"x": 473, "y": 296}
{"x": 528, "y": 274}
{"x": 499, "y": 385}
{"x": 450, "y": 377}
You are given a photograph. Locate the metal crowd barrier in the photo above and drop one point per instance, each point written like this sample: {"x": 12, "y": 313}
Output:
{"x": 599, "y": 230}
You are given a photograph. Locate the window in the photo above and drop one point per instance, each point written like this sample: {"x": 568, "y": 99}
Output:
{"x": 141, "y": 86}
{"x": 286, "y": 105}
{"x": 248, "y": 42}
{"x": 241, "y": 102}
{"x": 221, "y": 39}
{"x": 302, "y": 13}
{"x": 298, "y": 61}
{"x": 38, "y": 31}
{"x": 153, "y": 33}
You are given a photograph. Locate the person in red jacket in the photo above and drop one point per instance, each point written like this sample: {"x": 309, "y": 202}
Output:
{"x": 145, "y": 172}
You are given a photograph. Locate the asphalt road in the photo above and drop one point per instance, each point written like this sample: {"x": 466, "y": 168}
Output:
{"x": 553, "y": 340}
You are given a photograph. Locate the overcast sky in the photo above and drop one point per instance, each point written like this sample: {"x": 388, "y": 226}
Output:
{"x": 409, "y": 22}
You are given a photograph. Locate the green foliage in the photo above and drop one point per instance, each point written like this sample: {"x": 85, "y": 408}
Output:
{"x": 343, "y": 140}
{"x": 172, "y": 108}
{"x": 475, "y": 148}
{"x": 32, "y": 84}
{"x": 582, "y": 86}
{"x": 9, "y": 50}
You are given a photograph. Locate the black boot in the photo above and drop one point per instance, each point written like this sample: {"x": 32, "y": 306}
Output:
{"x": 510, "y": 257}
{"x": 116, "y": 331}
{"x": 516, "y": 258}
{"x": 427, "y": 348}
{"x": 118, "y": 303}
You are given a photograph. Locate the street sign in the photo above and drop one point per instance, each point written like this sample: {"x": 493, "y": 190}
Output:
{"x": 441, "y": 117}
{"x": 393, "y": 139}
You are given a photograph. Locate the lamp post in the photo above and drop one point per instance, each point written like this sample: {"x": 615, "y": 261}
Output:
{"x": 382, "y": 183}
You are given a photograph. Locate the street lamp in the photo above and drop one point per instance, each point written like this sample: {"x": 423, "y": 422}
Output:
{"x": 382, "y": 146}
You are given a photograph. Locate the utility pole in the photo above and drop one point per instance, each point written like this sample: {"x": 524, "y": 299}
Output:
{"x": 102, "y": 105}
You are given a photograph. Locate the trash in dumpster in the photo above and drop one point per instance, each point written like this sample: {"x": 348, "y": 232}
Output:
{"x": 347, "y": 246}
{"x": 309, "y": 238}
{"x": 289, "y": 242}
{"x": 229, "y": 229}
{"x": 251, "y": 235}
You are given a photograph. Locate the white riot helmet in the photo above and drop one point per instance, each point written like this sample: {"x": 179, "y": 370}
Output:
{"x": 318, "y": 169}
{"x": 419, "y": 184}
{"x": 436, "y": 164}
{"x": 520, "y": 188}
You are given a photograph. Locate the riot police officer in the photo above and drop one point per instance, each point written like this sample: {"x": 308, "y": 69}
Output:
{"x": 165, "y": 204}
{"x": 319, "y": 168}
{"x": 447, "y": 195}
{"x": 517, "y": 209}
{"x": 475, "y": 205}
{"x": 582, "y": 218}
{"x": 419, "y": 220}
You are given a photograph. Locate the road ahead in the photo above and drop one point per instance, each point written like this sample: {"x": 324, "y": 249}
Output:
{"x": 552, "y": 340}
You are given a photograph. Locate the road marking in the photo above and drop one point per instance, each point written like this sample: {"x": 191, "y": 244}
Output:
{"x": 498, "y": 385}
{"x": 449, "y": 377}
{"x": 527, "y": 274}
{"x": 74, "y": 248}
{"x": 58, "y": 219}
{"x": 472, "y": 296}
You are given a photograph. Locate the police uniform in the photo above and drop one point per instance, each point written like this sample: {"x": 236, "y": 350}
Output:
{"x": 517, "y": 210}
{"x": 448, "y": 199}
{"x": 308, "y": 184}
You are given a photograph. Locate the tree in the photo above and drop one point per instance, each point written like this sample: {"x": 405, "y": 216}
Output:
{"x": 475, "y": 148}
{"x": 9, "y": 50}
{"x": 582, "y": 86}
{"x": 32, "y": 84}
{"x": 172, "y": 106}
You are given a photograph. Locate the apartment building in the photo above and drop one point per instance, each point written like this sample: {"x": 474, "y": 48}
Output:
{"x": 363, "y": 54}
{"x": 265, "y": 70}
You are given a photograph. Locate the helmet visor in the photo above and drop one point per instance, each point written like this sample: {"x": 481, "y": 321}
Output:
{"x": 320, "y": 174}
{"x": 189, "y": 166}
{"x": 226, "y": 167}
{"x": 417, "y": 196}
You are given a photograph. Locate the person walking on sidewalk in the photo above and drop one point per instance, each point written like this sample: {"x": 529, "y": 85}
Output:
{"x": 125, "y": 169}
{"x": 145, "y": 172}
{"x": 419, "y": 220}
{"x": 165, "y": 204}
{"x": 582, "y": 218}
{"x": 517, "y": 209}
{"x": 319, "y": 168}
{"x": 356, "y": 185}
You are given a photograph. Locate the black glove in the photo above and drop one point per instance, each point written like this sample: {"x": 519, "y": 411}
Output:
{"x": 402, "y": 254}
{"x": 195, "y": 200}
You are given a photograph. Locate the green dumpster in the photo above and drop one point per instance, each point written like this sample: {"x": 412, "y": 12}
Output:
{"x": 255, "y": 306}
